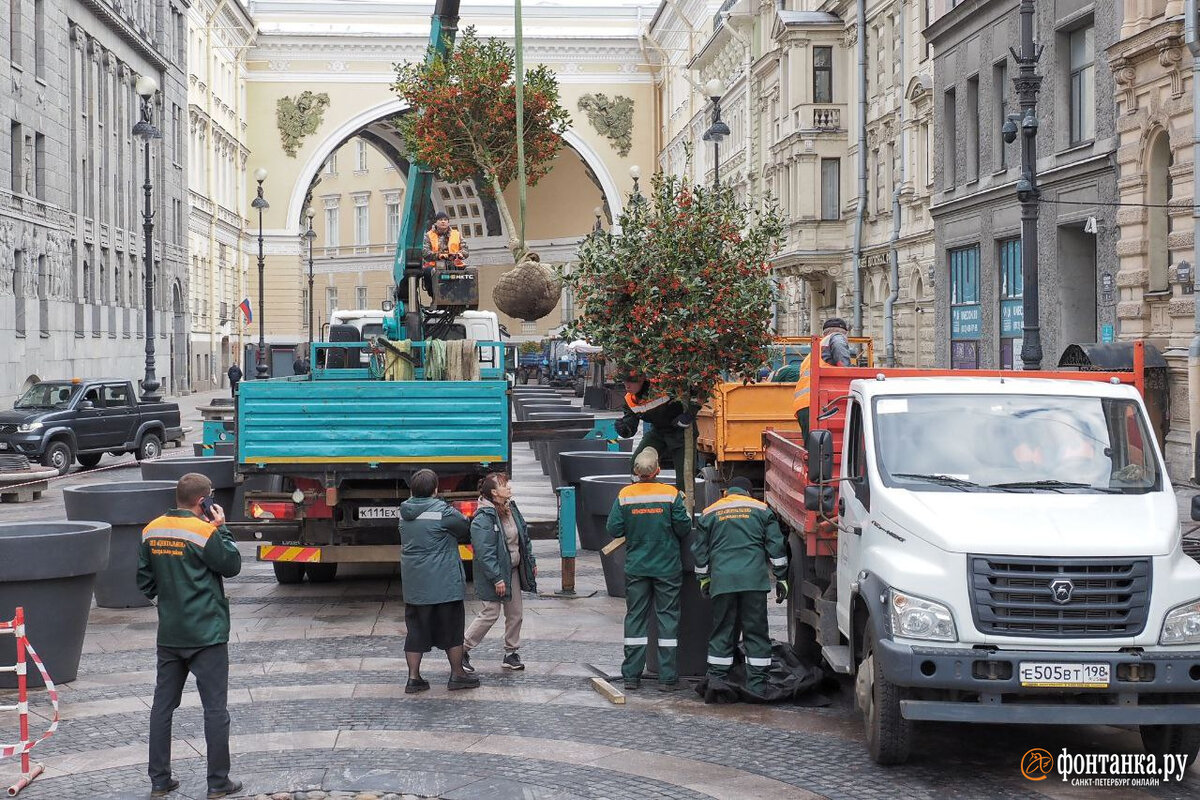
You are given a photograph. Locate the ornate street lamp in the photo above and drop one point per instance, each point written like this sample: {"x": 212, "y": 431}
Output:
{"x": 718, "y": 130}
{"x": 635, "y": 172}
{"x": 310, "y": 236}
{"x": 260, "y": 202}
{"x": 1027, "y": 84}
{"x": 145, "y": 130}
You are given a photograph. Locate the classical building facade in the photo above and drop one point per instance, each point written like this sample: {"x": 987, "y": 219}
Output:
{"x": 791, "y": 97}
{"x": 1155, "y": 123}
{"x": 219, "y": 37}
{"x": 977, "y": 277}
{"x": 71, "y": 242}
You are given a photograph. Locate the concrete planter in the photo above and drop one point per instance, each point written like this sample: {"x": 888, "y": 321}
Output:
{"x": 220, "y": 470}
{"x": 574, "y": 465}
{"x": 523, "y": 410}
{"x": 539, "y": 446}
{"x": 218, "y": 449}
{"x": 127, "y": 507}
{"x": 49, "y": 568}
{"x": 597, "y": 493}
{"x": 551, "y": 449}
{"x": 695, "y": 625}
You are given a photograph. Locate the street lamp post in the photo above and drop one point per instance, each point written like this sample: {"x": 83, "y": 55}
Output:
{"x": 310, "y": 236}
{"x": 718, "y": 130}
{"x": 144, "y": 129}
{"x": 260, "y": 202}
{"x": 635, "y": 172}
{"x": 1027, "y": 84}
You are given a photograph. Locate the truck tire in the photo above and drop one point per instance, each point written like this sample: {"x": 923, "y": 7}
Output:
{"x": 89, "y": 460}
{"x": 287, "y": 572}
{"x": 59, "y": 456}
{"x": 1162, "y": 739}
{"x": 889, "y": 734}
{"x": 320, "y": 573}
{"x": 149, "y": 448}
{"x": 801, "y": 636}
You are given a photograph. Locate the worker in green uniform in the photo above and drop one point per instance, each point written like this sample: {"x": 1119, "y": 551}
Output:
{"x": 737, "y": 536}
{"x": 651, "y": 517}
{"x": 670, "y": 421}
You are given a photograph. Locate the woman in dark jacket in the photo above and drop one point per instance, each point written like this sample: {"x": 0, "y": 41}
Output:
{"x": 504, "y": 567}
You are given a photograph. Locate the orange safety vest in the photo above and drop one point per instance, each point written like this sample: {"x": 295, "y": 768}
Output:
{"x": 801, "y": 398}
{"x": 454, "y": 243}
{"x": 632, "y": 401}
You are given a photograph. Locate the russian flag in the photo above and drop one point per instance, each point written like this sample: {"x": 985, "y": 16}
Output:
{"x": 247, "y": 312}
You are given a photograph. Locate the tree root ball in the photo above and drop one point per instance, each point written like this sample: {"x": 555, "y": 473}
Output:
{"x": 528, "y": 291}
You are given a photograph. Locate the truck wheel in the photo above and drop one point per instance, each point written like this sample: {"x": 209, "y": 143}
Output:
{"x": 89, "y": 460}
{"x": 801, "y": 636}
{"x": 288, "y": 572}
{"x": 59, "y": 456}
{"x": 149, "y": 448}
{"x": 889, "y": 734}
{"x": 320, "y": 573}
{"x": 1162, "y": 739}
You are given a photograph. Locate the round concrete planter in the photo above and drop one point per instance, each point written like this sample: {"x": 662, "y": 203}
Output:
{"x": 218, "y": 469}
{"x": 695, "y": 625}
{"x": 575, "y": 464}
{"x": 127, "y": 507}
{"x": 597, "y": 493}
{"x": 539, "y": 446}
{"x": 540, "y": 406}
{"x": 49, "y": 568}
{"x": 552, "y": 447}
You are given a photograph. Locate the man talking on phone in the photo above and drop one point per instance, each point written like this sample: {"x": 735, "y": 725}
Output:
{"x": 184, "y": 557}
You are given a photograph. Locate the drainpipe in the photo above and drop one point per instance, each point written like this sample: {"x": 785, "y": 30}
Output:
{"x": 889, "y": 304}
{"x": 1192, "y": 37}
{"x": 861, "y": 211}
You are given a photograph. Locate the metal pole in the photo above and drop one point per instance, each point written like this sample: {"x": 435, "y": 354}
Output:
{"x": 261, "y": 369}
{"x": 150, "y": 383}
{"x": 1192, "y": 37}
{"x": 1027, "y": 84}
{"x": 310, "y": 235}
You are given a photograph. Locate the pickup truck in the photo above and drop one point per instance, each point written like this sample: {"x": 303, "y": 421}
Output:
{"x": 58, "y": 422}
{"x": 999, "y": 548}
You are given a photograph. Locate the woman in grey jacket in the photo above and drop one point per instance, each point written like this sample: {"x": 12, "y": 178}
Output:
{"x": 504, "y": 567}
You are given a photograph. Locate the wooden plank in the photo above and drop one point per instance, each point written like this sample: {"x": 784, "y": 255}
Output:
{"x": 612, "y": 546}
{"x": 609, "y": 692}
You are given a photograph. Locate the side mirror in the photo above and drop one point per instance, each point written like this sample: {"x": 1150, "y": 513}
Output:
{"x": 819, "y": 499}
{"x": 1196, "y": 508}
{"x": 819, "y": 445}
{"x": 86, "y": 404}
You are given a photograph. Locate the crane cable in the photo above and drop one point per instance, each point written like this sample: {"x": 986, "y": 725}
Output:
{"x": 520, "y": 78}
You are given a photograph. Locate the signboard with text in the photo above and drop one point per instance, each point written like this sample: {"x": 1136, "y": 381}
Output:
{"x": 966, "y": 322}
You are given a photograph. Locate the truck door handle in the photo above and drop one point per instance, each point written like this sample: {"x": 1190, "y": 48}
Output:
{"x": 841, "y": 506}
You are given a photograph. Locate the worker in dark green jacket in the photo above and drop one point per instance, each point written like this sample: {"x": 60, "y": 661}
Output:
{"x": 184, "y": 556}
{"x": 736, "y": 538}
{"x": 431, "y": 574}
{"x": 670, "y": 422}
{"x": 652, "y": 519}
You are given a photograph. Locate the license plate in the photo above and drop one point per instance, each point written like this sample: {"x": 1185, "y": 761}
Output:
{"x": 1069, "y": 676}
{"x": 379, "y": 512}
{"x": 3, "y": 445}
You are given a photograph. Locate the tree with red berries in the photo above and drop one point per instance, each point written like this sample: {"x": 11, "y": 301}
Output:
{"x": 464, "y": 118}
{"x": 683, "y": 293}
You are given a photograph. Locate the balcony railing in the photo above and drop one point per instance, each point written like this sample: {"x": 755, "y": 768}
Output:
{"x": 827, "y": 119}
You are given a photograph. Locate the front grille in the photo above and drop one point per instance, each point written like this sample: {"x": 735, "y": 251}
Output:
{"x": 8, "y": 428}
{"x": 1013, "y": 596}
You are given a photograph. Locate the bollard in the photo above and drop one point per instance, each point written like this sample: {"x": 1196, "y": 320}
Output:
{"x": 566, "y": 537}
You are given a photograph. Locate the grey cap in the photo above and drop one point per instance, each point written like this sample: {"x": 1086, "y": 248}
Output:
{"x": 646, "y": 463}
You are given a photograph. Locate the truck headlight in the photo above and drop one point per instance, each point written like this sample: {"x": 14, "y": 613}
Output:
{"x": 917, "y": 618}
{"x": 1182, "y": 625}
{"x": 29, "y": 427}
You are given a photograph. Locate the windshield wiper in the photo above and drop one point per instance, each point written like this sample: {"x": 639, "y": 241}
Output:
{"x": 939, "y": 479}
{"x": 1053, "y": 485}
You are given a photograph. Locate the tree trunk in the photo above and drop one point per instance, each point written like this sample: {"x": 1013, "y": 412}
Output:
{"x": 689, "y": 471}
{"x": 514, "y": 244}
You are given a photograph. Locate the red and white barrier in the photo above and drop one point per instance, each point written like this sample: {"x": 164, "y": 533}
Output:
{"x": 29, "y": 770}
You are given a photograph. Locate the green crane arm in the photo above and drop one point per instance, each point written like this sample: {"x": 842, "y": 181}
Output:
{"x": 419, "y": 190}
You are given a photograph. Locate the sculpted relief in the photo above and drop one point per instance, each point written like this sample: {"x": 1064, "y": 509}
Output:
{"x": 32, "y": 243}
{"x": 299, "y": 117}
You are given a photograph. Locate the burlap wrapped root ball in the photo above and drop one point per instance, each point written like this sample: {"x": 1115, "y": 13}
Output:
{"x": 528, "y": 291}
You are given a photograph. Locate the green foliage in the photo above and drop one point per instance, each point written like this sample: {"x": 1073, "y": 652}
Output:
{"x": 684, "y": 293}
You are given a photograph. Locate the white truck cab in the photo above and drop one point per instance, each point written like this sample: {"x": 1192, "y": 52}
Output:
{"x": 481, "y": 326}
{"x": 1009, "y": 550}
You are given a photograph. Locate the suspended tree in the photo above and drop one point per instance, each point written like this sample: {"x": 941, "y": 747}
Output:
{"x": 683, "y": 293}
{"x": 465, "y": 125}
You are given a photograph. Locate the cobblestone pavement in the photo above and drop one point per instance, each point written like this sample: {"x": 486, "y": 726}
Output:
{"x": 316, "y": 696}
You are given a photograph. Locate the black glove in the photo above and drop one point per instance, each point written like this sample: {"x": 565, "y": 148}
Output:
{"x": 624, "y": 429}
{"x": 684, "y": 420}
{"x": 781, "y": 591}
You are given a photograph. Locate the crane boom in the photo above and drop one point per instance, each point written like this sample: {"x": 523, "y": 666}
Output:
{"x": 407, "y": 263}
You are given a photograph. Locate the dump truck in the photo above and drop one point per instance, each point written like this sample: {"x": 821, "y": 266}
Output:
{"x": 990, "y": 547}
